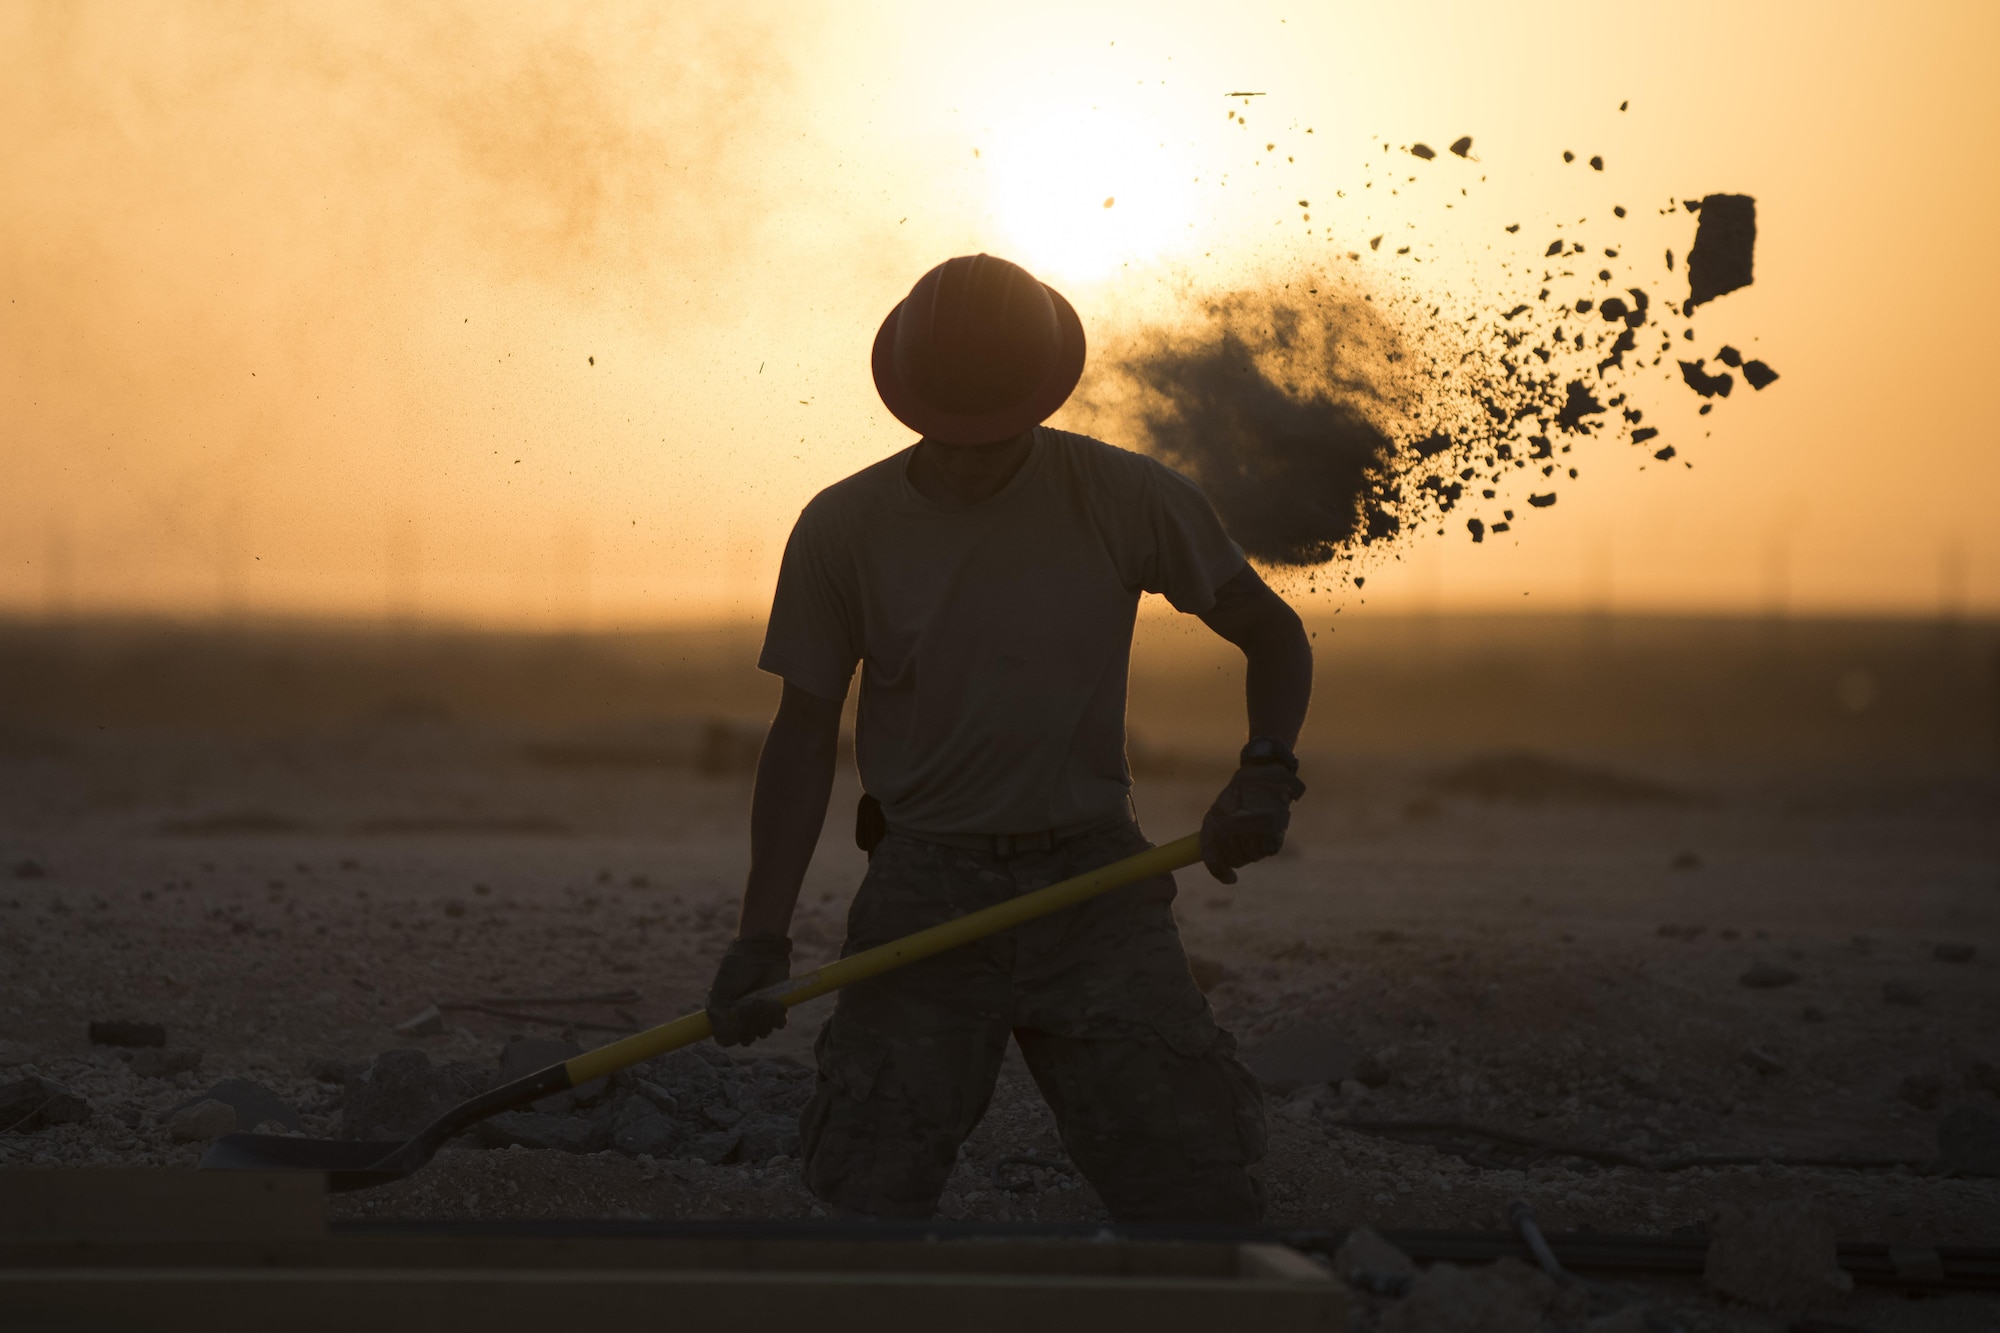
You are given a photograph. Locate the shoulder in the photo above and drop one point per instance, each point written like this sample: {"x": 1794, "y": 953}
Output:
{"x": 1106, "y": 466}
{"x": 854, "y": 498}
{"x": 1106, "y": 469}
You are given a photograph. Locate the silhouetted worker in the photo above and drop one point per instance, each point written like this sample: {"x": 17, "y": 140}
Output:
{"x": 987, "y": 579}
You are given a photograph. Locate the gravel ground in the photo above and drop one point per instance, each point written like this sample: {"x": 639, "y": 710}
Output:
{"x": 1571, "y": 970}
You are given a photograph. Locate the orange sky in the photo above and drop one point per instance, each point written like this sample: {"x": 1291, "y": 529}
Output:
{"x": 522, "y": 315}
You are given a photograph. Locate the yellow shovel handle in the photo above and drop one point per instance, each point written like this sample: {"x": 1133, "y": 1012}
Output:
{"x": 694, "y": 1027}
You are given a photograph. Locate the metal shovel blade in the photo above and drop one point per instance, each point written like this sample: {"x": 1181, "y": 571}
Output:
{"x": 349, "y": 1164}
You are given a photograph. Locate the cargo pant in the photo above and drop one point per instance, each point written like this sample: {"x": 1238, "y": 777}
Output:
{"x": 1150, "y": 1100}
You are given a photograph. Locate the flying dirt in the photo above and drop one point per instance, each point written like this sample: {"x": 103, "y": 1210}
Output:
{"x": 1327, "y": 411}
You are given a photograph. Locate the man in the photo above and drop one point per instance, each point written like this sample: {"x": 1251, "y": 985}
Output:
{"x": 986, "y": 580}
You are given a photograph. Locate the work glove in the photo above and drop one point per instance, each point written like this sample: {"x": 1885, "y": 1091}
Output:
{"x": 1248, "y": 820}
{"x": 752, "y": 963}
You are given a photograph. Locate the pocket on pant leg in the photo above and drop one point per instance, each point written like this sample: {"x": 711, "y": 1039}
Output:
{"x": 848, "y": 1067}
{"x": 1246, "y": 1098}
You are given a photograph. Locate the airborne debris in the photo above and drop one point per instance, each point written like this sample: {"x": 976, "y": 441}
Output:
{"x": 1725, "y": 243}
{"x": 1705, "y": 384}
{"x": 1462, "y": 146}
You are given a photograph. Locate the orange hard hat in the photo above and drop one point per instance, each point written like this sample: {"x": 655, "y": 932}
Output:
{"x": 978, "y": 351}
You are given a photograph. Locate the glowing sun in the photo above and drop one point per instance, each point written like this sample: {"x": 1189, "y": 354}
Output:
{"x": 1083, "y": 192}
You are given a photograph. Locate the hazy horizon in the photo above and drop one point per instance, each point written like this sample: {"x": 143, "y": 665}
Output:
{"x": 510, "y": 316}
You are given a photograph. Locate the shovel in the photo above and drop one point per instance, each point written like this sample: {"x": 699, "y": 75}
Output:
{"x": 354, "y": 1165}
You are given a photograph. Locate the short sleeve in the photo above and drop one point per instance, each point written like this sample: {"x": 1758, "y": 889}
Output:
{"x": 813, "y": 636}
{"x": 1190, "y": 556}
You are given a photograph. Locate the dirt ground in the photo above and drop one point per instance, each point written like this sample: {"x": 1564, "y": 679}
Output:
{"x": 1568, "y": 969}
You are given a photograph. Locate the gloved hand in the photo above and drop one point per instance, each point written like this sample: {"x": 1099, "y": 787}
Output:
{"x": 1248, "y": 820}
{"x": 752, "y": 963}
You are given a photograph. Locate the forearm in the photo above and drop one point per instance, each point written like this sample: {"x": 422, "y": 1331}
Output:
{"x": 1278, "y": 658}
{"x": 787, "y": 811}
{"x": 1277, "y": 681}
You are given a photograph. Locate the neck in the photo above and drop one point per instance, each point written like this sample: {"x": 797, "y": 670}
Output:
{"x": 965, "y": 474}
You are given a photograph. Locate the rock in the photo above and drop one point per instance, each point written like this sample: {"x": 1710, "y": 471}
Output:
{"x": 127, "y": 1032}
{"x": 1208, "y": 973}
{"x": 714, "y": 1149}
{"x": 1767, "y": 976}
{"x": 1503, "y": 1297}
{"x": 1983, "y": 1075}
{"x": 1812, "y": 1013}
{"x": 538, "y": 1129}
{"x": 429, "y": 1023}
{"x": 721, "y": 1115}
{"x": 202, "y": 1121}
{"x": 1901, "y": 992}
{"x": 1302, "y": 1056}
{"x": 334, "y": 1071}
{"x": 33, "y": 1103}
{"x": 661, "y": 1099}
{"x": 165, "y": 1063}
{"x": 1364, "y": 1251}
{"x": 1775, "y": 1254}
{"x": 395, "y": 1096}
{"x": 1625, "y": 1319}
{"x": 1370, "y": 1071}
{"x": 1923, "y": 1091}
{"x": 686, "y": 1077}
{"x": 29, "y": 868}
{"x": 1760, "y": 1062}
{"x": 768, "y": 1136}
{"x": 1969, "y": 1140}
{"x": 523, "y": 1056}
{"x": 253, "y": 1103}
{"x": 13, "y": 1054}
{"x": 1954, "y": 953}
{"x": 639, "y": 1129}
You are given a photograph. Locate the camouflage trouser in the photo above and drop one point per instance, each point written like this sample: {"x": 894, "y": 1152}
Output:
{"x": 1151, "y": 1102}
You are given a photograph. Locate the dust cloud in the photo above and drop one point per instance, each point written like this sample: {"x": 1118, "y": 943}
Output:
{"x": 265, "y": 267}
{"x": 1269, "y": 405}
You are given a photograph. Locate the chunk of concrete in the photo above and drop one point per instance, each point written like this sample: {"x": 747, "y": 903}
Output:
{"x": 1503, "y": 1297}
{"x": 428, "y": 1023}
{"x": 768, "y": 1136}
{"x": 714, "y": 1149}
{"x": 253, "y": 1103}
{"x": 33, "y": 1103}
{"x": 641, "y": 1130}
{"x": 396, "y": 1095}
{"x": 202, "y": 1121}
{"x": 1364, "y": 1251}
{"x": 688, "y": 1078}
{"x": 1773, "y": 1255}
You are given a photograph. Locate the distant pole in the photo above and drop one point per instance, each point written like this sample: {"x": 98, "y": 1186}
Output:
{"x": 1600, "y": 591}
{"x": 58, "y": 573}
{"x": 402, "y": 565}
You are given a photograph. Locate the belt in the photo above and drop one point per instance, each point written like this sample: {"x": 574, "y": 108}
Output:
{"x": 1010, "y": 844}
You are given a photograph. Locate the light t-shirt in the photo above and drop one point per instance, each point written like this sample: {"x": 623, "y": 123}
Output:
{"x": 995, "y": 639}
